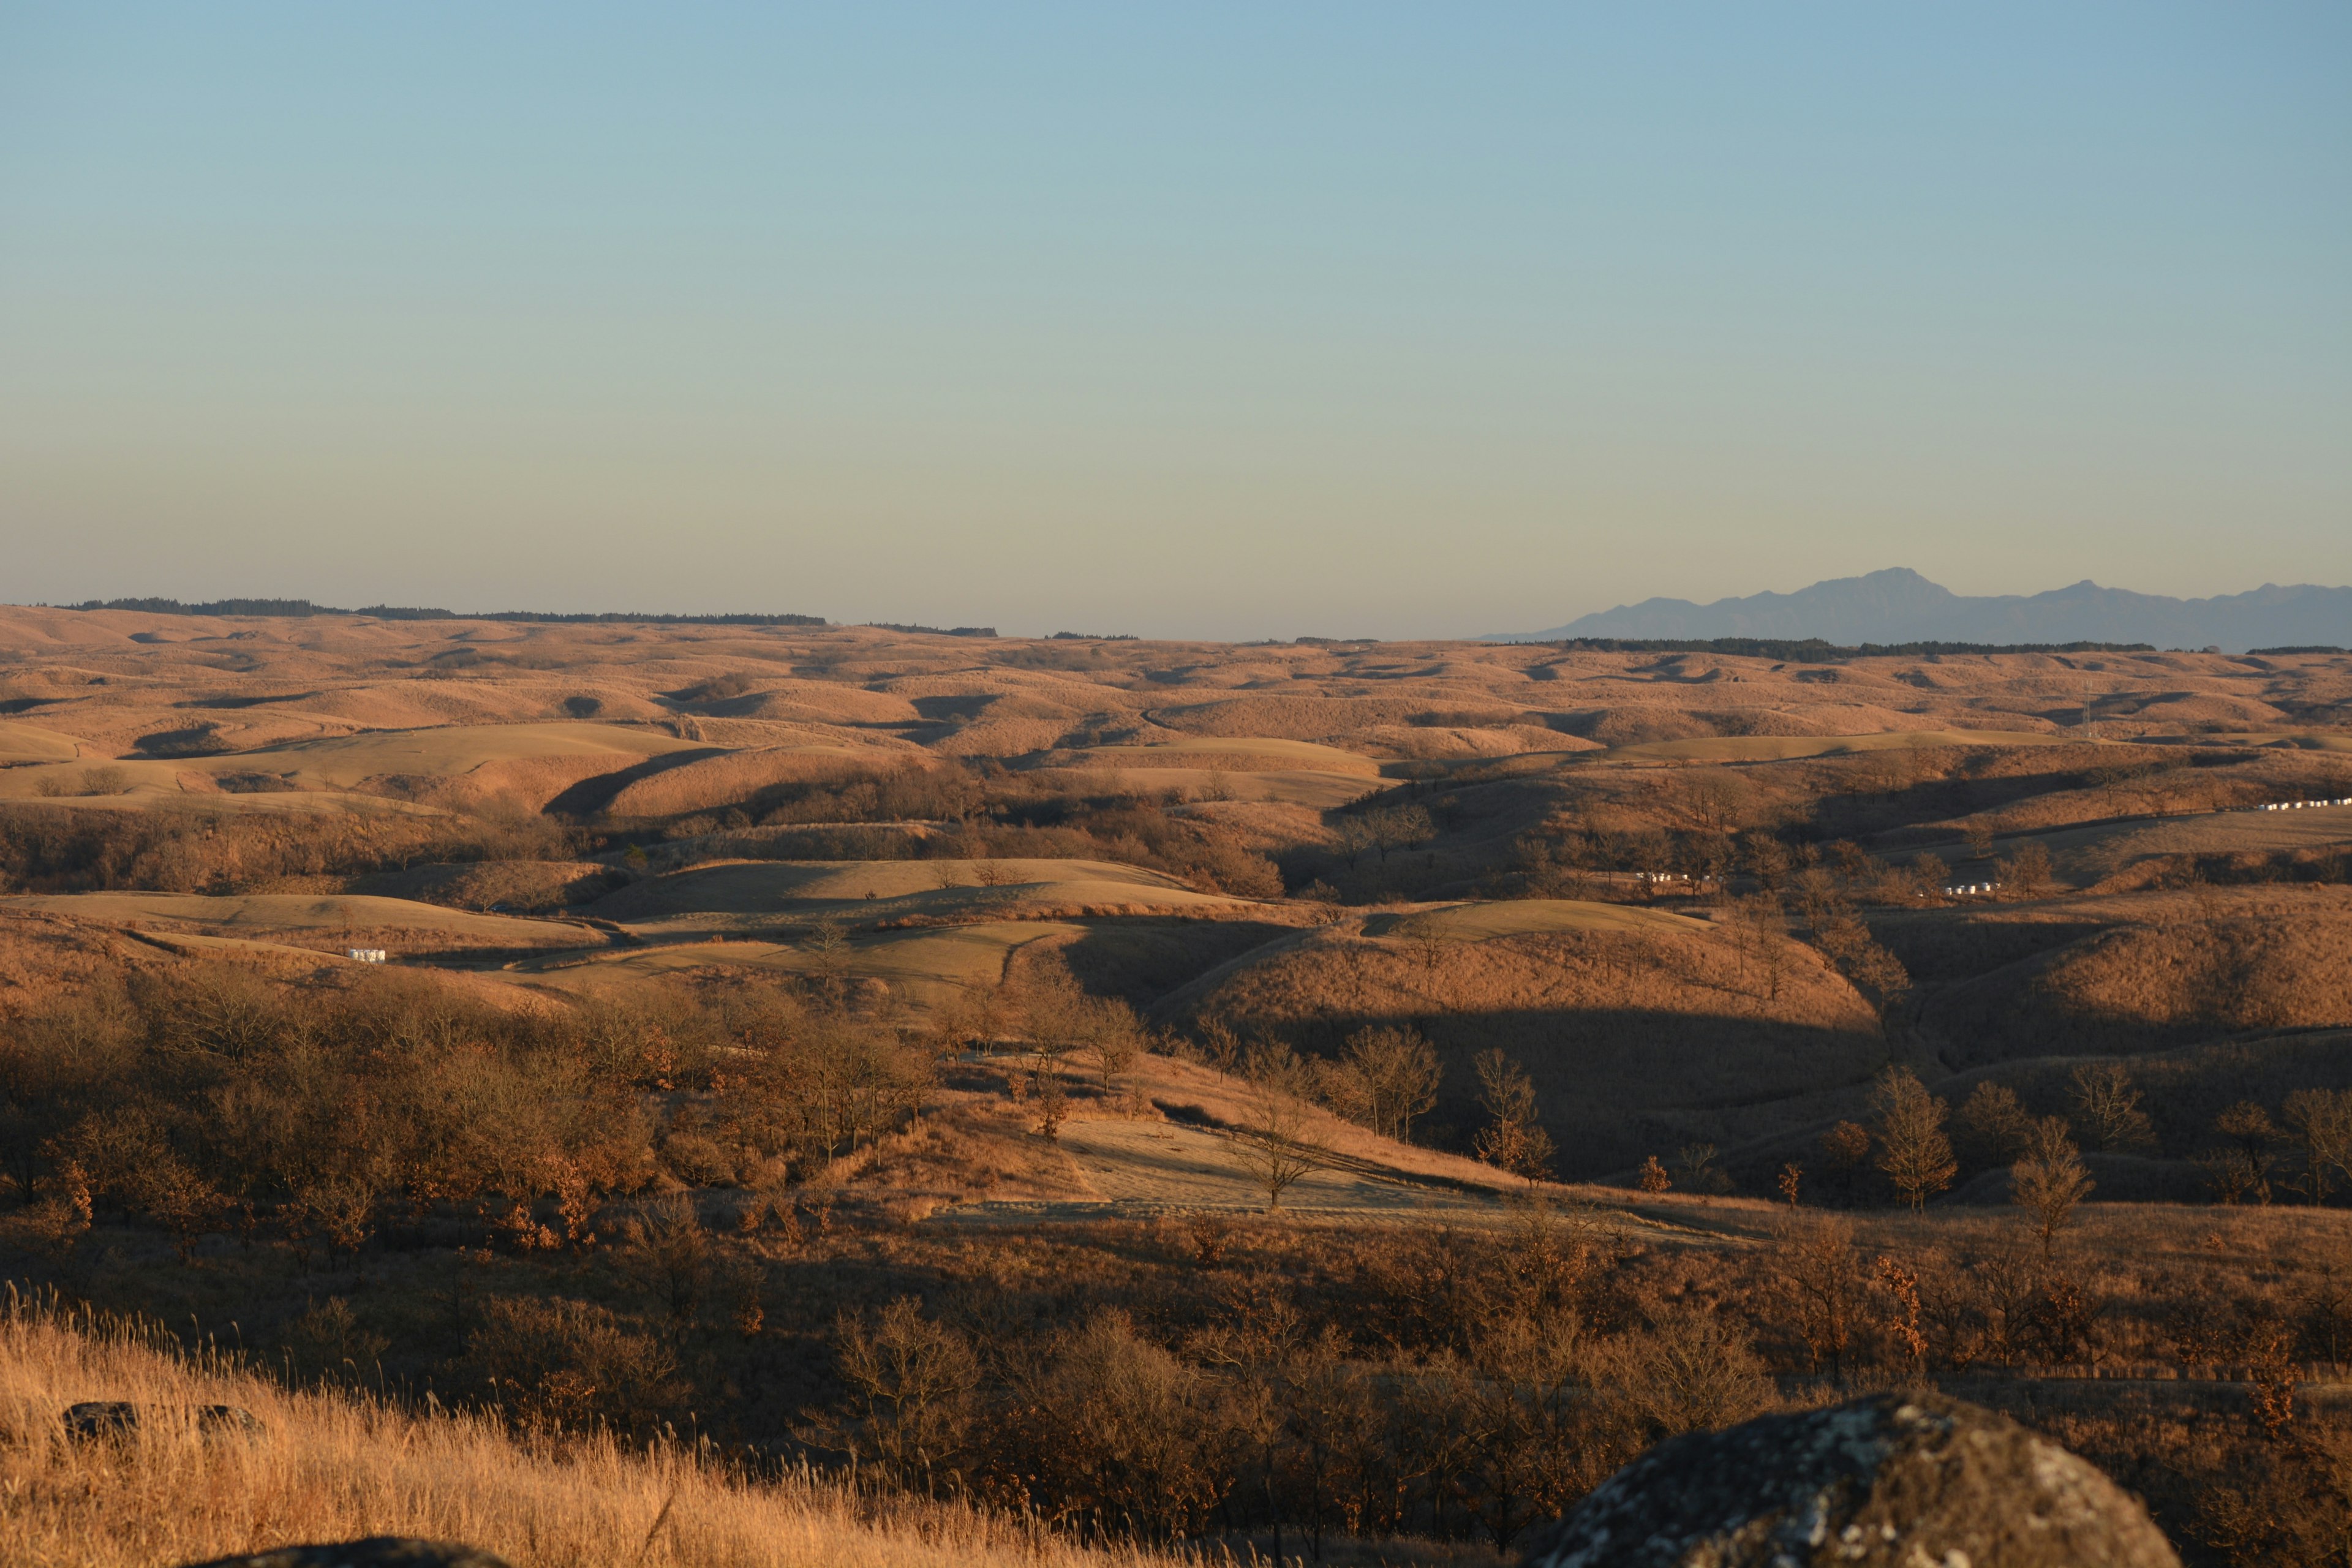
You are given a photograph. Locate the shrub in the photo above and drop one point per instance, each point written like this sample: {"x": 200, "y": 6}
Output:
{"x": 554, "y": 1364}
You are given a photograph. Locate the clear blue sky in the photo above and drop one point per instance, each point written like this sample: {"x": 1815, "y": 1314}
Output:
{"x": 1354, "y": 319}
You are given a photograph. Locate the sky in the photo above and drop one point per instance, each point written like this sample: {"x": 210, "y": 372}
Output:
{"x": 1194, "y": 320}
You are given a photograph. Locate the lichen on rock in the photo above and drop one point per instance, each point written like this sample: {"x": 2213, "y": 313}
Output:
{"x": 1889, "y": 1481}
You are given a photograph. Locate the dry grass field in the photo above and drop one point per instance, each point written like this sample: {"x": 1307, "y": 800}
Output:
{"x": 334, "y": 1466}
{"x": 746, "y": 980}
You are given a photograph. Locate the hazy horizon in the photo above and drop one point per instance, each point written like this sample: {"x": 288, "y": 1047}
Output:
{"x": 1225, "y": 323}
{"x": 654, "y": 611}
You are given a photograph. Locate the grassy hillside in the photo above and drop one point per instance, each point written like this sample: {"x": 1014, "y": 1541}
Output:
{"x": 333, "y": 1465}
{"x": 2117, "y": 976}
{"x": 1643, "y": 1030}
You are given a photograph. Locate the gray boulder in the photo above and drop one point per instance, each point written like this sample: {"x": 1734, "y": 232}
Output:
{"x": 98, "y": 1418}
{"x": 1890, "y": 1481}
{"x": 375, "y": 1552}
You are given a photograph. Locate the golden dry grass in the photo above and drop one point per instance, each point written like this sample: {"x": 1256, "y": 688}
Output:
{"x": 456, "y": 764}
{"x": 2133, "y": 972}
{"x": 1319, "y": 791}
{"x": 268, "y": 916}
{"x": 921, "y": 968}
{"x": 330, "y": 1468}
{"x": 1780, "y": 748}
{"x": 734, "y": 898}
{"x": 1527, "y": 917}
{"x": 713, "y": 781}
{"x": 1236, "y": 753}
{"x": 31, "y": 743}
{"x": 2089, "y": 854}
{"x": 535, "y": 887}
{"x": 44, "y": 957}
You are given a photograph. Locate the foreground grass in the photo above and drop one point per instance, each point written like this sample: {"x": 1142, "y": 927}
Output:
{"x": 331, "y": 1467}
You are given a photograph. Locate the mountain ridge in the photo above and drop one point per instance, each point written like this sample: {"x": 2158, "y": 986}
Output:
{"x": 1897, "y": 605}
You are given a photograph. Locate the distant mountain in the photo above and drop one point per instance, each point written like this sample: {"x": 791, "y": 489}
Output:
{"x": 1899, "y": 605}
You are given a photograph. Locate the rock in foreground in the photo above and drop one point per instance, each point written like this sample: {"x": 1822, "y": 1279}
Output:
{"x": 99, "y": 1419}
{"x": 1890, "y": 1481}
{"x": 375, "y": 1552}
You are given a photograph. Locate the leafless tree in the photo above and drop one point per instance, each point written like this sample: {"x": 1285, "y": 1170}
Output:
{"x": 1511, "y": 1140}
{"x": 1843, "y": 1149}
{"x": 1399, "y": 827}
{"x": 827, "y": 946}
{"x": 1998, "y": 1119}
{"x": 1697, "y": 1160}
{"x": 2049, "y": 1180}
{"x": 1877, "y": 973}
{"x": 911, "y": 1383}
{"x": 1271, "y": 1144}
{"x": 1913, "y": 1150}
{"x": 2321, "y": 1120}
{"x": 2109, "y": 1106}
{"x": 667, "y": 1253}
{"x": 2241, "y": 1168}
{"x": 1820, "y": 1282}
{"x": 1758, "y": 931}
{"x": 1223, "y": 1047}
{"x": 1385, "y": 1077}
{"x": 2028, "y": 872}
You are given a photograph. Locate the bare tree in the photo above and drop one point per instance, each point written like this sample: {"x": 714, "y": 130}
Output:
{"x": 2321, "y": 1120}
{"x": 1843, "y": 1149}
{"x": 827, "y": 946}
{"x": 1052, "y": 1103}
{"x": 1385, "y": 1077}
{"x": 1511, "y": 1140}
{"x": 1687, "y": 1370}
{"x": 1998, "y": 1119}
{"x": 2242, "y": 1167}
{"x": 1114, "y": 1038}
{"x": 1820, "y": 1282}
{"x": 2028, "y": 872}
{"x": 1399, "y": 827}
{"x": 1223, "y": 1047}
{"x": 2109, "y": 1107}
{"x": 1426, "y": 937}
{"x": 667, "y": 1253}
{"x": 2049, "y": 1180}
{"x": 1877, "y": 973}
{"x": 1271, "y": 1144}
{"x": 1913, "y": 1150}
{"x": 911, "y": 1383}
{"x": 1759, "y": 934}
{"x": 1766, "y": 858}
{"x": 1697, "y": 1160}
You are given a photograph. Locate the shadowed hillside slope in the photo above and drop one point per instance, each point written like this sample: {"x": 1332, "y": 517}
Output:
{"x": 1641, "y": 1029}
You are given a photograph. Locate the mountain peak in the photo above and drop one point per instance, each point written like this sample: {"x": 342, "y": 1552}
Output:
{"x": 1897, "y": 605}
